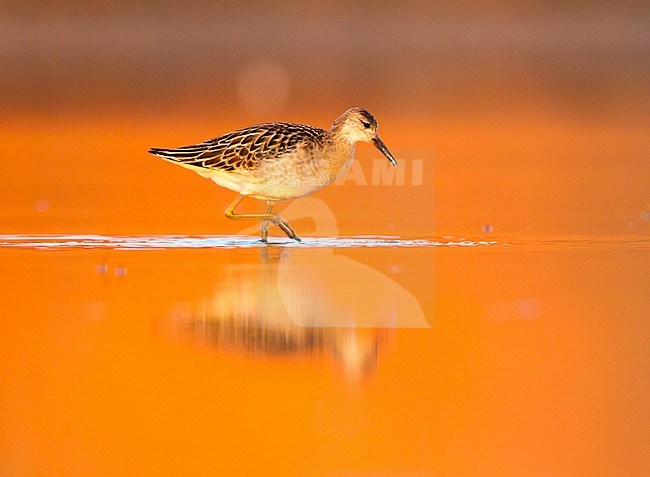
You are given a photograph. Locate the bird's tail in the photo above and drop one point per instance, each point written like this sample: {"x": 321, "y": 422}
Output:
{"x": 189, "y": 157}
{"x": 181, "y": 154}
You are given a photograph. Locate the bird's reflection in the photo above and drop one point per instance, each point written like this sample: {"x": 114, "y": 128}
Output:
{"x": 293, "y": 302}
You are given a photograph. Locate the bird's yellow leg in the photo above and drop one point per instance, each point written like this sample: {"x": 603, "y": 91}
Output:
{"x": 268, "y": 216}
{"x": 264, "y": 228}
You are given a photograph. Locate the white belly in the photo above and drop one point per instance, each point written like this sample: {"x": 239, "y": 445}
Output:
{"x": 284, "y": 178}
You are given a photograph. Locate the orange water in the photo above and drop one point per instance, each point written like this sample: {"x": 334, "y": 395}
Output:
{"x": 148, "y": 362}
{"x": 525, "y": 357}
{"x": 513, "y": 341}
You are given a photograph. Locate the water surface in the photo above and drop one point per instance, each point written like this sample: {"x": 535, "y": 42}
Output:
{"x": 186, "y": 354}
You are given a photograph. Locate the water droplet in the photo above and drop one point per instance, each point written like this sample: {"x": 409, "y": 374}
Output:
{"x": 528, "y": 309}
{"x": 487, "y": 228}
{"x": 120, "y": 272}
{"x": 42, "y": 205}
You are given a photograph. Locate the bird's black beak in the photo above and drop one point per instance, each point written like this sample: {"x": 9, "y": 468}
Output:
{"x": 379, "y": 144}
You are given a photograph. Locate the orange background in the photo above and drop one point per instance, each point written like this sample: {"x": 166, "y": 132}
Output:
{"x": 531, "y": 119}
{"x": 528, "y": 118}
{"x": 535, "y": 363}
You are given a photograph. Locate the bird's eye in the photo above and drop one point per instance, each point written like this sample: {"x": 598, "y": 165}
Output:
{"x": 365, "y": 124}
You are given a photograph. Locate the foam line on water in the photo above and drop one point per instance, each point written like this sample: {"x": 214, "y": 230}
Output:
{"x": 157, "y": 242}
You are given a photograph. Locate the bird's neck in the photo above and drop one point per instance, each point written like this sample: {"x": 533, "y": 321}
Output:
{"x": 341, "y": 153}
{"x": 341, "y": 133}
{"x": 338, "y": 138}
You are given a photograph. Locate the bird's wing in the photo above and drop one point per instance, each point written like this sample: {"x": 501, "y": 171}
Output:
{"x": 244, "y": 148}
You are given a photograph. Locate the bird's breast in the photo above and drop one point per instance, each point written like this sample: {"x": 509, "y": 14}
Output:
{"x": 300, "y": 173}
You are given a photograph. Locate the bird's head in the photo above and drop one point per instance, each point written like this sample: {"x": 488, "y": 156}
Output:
{"x": 358, "y": 125}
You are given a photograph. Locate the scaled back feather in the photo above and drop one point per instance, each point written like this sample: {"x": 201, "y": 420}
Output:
{"x": 244, "y": 148}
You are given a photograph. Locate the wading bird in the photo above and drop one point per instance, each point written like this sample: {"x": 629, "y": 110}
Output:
{"x": 278, "y": 161}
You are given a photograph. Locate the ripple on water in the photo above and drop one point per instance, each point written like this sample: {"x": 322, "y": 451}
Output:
{"x": 158, "y": 242}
